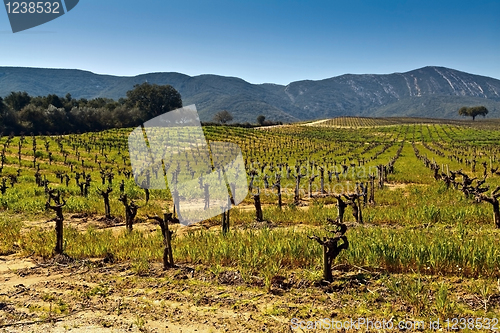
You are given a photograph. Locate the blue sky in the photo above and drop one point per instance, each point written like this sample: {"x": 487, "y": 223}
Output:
{"x": 276, "y": 41}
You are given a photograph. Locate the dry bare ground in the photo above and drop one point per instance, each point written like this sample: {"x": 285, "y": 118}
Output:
{"x": 94, "y": 296}
{"x": 99, "y": 295}
{"x": 315, "y": 123}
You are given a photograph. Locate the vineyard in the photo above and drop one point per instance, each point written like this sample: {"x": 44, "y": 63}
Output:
{"x": 416, "y": 202}
{"x": 356, "y": 122}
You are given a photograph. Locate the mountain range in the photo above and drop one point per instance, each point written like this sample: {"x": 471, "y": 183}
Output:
{"x": 431, "y": 91}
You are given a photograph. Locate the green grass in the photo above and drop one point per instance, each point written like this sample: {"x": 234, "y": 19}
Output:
{"x": 462, "y": 251}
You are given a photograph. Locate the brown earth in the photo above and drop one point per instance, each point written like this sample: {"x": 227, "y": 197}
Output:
{"x": 92, "y": 296}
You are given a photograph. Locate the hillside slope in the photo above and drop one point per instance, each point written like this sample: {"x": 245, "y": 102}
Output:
{"x": 425, "y": 92}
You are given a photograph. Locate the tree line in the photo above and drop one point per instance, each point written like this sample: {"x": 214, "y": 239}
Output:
{"x": 22, "y": 113}
{"x": 223, "y": 117}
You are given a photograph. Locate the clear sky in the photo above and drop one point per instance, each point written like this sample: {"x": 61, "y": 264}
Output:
{"x": 275, "y": 41}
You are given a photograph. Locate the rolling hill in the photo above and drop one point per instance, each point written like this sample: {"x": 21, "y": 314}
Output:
{"x": 426, "y": 92}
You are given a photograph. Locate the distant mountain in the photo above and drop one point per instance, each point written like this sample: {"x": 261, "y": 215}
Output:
{"x": 426, "y": 92}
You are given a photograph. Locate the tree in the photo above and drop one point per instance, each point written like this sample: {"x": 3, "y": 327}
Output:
{"x": 261, "y": 119}
{"x": 473, "y": 111}
{"x": 223, "y": 117}
{"x": 17, "y": 100}
{"x": 54, "y": 100}
{"x": 153, "y": 100}
{"x": 34, "y": 119}
{"x": 99, "y": 102}
{"x": 3, "y": 107}
{"x": 126, "y": 117}
{"x": 8, "y": 118}
{"x": 56, "y": 119}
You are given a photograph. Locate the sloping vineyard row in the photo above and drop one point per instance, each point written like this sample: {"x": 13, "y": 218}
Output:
{"x": 78, "y": 165}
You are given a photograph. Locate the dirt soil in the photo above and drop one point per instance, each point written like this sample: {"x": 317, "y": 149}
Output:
{"x": 99, "y": 295}
{"x": 63, "y": 295}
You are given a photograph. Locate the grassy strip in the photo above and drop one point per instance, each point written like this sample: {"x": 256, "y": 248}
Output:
{"x": 469, "y": 252}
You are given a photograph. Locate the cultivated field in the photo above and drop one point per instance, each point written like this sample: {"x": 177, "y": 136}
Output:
{"x": 419, "y": 202}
